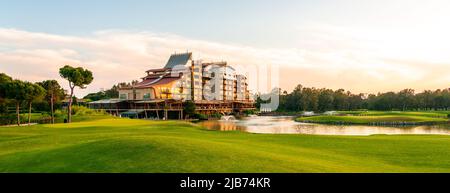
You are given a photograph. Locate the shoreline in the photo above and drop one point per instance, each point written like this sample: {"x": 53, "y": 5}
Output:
{"x": 377, "y": 123}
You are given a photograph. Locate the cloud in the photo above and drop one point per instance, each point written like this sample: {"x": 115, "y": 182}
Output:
{"x": 326, "y": 57}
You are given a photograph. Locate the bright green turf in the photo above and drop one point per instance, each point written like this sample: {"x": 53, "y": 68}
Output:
{"x": 372, "y": 119}
{"x": 435, "y": 114}
{"x": 389, "y": 117}
{"x": 123, "y": 145}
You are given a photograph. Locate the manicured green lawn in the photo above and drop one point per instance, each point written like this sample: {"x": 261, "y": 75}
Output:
{"x": 435, "y": 114}
{"x": 123, "y": 145}
{"x": 372, "y": 119}
{"x": 369, "y": 117}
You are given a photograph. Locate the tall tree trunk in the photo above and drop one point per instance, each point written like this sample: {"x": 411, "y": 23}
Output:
{"x": 18, "y": 113}
{"x": 29, "y": 114}
{"x": 51, "y": 109}
{"x": 69, "y": 112}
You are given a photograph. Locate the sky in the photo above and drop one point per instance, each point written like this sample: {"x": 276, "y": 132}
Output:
{"x": 365, "y": 46}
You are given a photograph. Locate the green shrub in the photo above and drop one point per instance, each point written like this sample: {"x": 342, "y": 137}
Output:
{"x": 59, "y": 113}
{"x": 216, "y": 115}
{"x": 189, "y": 108}
{"x": 249, "y": 112}
{"x": 8, "y": 119}
{"x": 200, "y": 116}
{"x": 3, "y": 109}
{"x": 82, "y": 110}
{"x": 11, "y": 119}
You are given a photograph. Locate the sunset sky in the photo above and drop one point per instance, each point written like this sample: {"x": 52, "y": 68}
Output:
{"x": 364, "y": 46}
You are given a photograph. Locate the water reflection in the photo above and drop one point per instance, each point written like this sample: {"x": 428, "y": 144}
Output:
{"x": 286, "y": 125}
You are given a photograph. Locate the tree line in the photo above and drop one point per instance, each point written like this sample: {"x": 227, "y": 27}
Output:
{"x": 323, "y": 99}
{"x": 24, "y": 94}
{"x": 113, "y": 92}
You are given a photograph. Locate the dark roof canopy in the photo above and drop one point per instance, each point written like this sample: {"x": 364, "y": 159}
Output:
{"x": 157, "y": 70}
{"x": 178, "y": 59}
{"x": 151, "y": 82}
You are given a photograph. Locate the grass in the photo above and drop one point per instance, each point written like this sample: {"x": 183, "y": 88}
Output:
{"x": 124, "y": 145}
{"x": 80, "y": 113}
{"x": 434, "y": 114}
{"x": 379, "y": 117}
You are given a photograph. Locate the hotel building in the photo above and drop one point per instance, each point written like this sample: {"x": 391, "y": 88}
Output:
{"x": 215, "y": 87}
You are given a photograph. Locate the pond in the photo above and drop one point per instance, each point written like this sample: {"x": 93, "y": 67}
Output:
{"x": 287, "y": 125}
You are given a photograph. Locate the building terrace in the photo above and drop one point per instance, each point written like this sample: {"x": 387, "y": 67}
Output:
{"x": 214, "y": 87}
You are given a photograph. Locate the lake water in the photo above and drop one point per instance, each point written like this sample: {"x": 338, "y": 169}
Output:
{"x": 287, "y": 125}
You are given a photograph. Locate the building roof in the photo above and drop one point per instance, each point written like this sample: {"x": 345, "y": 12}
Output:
{"x": 223, "y": 63}
{"x": 155, "y": 81}
{"x": 152, "y": 76}
{"x": 157, "y": 70}
{"x": 66, "y": 100}
{"x": 107, "y": 101}
{"x": 178, "y": 59}
{"x": 132, "y": 112}
{"x": 151, "y": 101}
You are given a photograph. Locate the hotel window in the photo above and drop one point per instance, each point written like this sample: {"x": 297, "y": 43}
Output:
{"x": 147, "y": 96}
{"x": 123, "y": 96}
{"x": 196, "y": 76}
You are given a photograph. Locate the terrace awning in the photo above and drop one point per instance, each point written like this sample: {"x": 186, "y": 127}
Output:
{"x": 107, "y": 101}
{"x": 244, "y": 102}
{"x": 152, "y": 82}
{"x": 132, "y": 112}
{"x": 150, "y": 101}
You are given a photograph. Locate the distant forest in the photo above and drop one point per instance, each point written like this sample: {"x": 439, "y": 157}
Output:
{"x": 113, "y": 92}
{"x": 321, "y": 100}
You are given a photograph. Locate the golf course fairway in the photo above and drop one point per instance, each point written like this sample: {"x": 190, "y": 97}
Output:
{"x": 125, "y": 145}
{"x": 380, "y": 117}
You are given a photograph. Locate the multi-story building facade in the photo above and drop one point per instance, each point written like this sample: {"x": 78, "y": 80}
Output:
{"x": 182, "y": 78}
{"x": 214, "y": 87}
